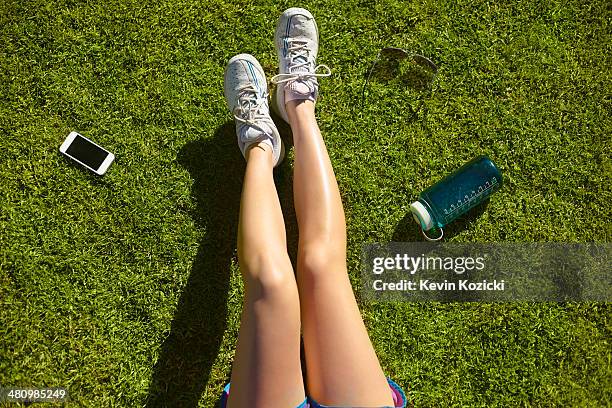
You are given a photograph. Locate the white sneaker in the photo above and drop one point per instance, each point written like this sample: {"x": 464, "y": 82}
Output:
{"x": 246, "y": 94}
{"x": 297, "y": 45}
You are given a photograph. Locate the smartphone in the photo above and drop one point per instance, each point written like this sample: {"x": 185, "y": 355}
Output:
{"x": 87, "y": 153}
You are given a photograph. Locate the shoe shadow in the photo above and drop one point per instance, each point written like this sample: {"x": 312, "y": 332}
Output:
{"x": 188, "y": 353}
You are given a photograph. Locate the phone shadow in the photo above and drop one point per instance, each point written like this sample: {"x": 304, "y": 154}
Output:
{"x": 189, "y": 351}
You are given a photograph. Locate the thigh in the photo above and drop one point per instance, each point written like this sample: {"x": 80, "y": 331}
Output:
{"x": 342, "y": 366}
{"x": 267, "y": 368}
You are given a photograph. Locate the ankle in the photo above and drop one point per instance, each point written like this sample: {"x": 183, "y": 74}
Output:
{"x": 259, "y": 151}
{"x": 298, "y": 91}
{"x": 300, "y": 109}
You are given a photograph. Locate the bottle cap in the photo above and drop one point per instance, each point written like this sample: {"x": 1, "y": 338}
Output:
{"x": 421, "y": 215}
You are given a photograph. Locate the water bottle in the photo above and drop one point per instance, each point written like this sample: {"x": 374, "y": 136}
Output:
{"x": 456, "y": 194}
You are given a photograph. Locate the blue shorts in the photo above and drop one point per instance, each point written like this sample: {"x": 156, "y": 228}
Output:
{"x": 399, "y": 398}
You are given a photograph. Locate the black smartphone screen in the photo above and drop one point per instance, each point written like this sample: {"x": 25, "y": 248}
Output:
{"x": 86, "y": 152}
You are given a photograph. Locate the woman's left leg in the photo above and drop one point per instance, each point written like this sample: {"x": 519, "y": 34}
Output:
{"x": 267, "y": 369}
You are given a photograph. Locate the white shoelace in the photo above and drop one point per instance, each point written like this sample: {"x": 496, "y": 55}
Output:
{"x": 251, "y": 109}
{"x": 299, "y": 55}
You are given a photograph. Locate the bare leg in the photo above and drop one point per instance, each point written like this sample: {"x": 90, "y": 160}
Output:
{"x": 267, "y": 370}
{"x": 342, "y": 367}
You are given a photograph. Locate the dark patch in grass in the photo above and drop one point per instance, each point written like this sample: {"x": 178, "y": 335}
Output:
{"x": 401, "y": 75}
{"x": 190, "y": 349}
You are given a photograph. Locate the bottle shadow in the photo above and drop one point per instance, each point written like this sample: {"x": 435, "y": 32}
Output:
{"x": 462, "y": 223}
{"x": 189, "y": 351}
{"x": 408, "y": 230}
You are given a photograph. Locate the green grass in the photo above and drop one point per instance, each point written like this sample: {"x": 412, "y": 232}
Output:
{"x": 125, "y": 289}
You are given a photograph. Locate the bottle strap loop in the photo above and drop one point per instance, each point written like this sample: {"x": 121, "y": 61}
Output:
{"x": 433, "y": 239}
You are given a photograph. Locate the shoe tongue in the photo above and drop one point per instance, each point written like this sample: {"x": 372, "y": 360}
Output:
{"x": 300, "y": 86}
{"x": 300, "y": 59}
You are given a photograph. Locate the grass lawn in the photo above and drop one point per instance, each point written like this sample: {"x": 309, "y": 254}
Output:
{"x": 125, "y": 289}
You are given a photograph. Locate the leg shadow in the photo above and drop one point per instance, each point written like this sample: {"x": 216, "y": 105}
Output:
{"x": 188, "y": 353}
{"x": 283, "y": 179}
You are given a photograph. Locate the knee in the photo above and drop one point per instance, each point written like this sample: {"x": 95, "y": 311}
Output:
{"x": 318, "y": 261}
{"x": 269, "y": 277}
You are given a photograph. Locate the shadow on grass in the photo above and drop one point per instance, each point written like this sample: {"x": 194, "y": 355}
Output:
{"x": 408, "y": 230}
{"x": 188, "y": 353}
{"x": 409, "y": 79}
{"x": 283, "y": 179}
{"x": 410, "y": 73}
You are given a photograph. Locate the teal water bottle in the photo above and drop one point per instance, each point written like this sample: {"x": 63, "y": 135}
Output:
{"x": 456, "y": 194}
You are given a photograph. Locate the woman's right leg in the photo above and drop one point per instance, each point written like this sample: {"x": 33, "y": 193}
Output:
{"x": 341, "y": 365}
